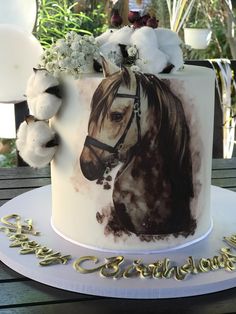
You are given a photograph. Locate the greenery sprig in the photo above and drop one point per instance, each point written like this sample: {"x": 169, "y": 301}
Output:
{"x": 57, "y": 18}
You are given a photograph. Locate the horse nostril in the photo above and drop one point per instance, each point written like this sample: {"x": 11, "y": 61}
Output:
{"x": 91, "y": 171}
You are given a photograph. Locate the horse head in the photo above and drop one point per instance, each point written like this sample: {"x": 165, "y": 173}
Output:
{"x": 115, "y": 121}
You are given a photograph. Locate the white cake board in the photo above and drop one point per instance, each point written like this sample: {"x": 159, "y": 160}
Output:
{"x": 36, "y": 204}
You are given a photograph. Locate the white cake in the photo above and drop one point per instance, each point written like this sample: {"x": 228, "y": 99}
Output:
{"x": 77, "y": 201}
{"x": 132, "y": 170}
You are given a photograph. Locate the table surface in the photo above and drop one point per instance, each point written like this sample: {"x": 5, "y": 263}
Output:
{"x": 19, "y": 294}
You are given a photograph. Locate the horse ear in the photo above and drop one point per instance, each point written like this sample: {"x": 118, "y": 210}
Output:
{"x": 108, "y": 67}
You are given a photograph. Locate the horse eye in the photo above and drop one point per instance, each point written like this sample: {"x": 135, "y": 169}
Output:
{"x": 116, "y": 116}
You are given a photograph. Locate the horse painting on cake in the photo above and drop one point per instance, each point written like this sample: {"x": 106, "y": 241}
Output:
{"x": 137, "y": 121}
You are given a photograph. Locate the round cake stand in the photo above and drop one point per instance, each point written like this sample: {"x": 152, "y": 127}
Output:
{"x": 36, "y": 205}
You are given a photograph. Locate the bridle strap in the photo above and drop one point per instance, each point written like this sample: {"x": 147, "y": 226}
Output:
{"x": 90, "y": 141}
{"x": 135, "y": 112}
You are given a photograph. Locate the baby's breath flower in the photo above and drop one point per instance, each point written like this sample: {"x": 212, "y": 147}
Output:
{"x": 92, "y": 39}
{"x": 82, "y": 42}
{"x": 132, "y": 51}
{"x": 50, "y": 66}
{"x": 75, "y": 45}
{"x": 86, "y": 37}
{"x": 64, "y": 63}
{"x": 72, "y": 55}
{"x": 135, "y": 68}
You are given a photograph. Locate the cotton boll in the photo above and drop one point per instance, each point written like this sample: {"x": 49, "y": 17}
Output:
{"x": 151, "y": 58}
{"x": 44, "y": 106}
{"x": 111, "y": 49}
{"x": 167, "y": 37}
{"x": 151, "y": 61}
{"x": 169, "y": 43}
{"x": 145, "y": 37}
{"x": 122, "y": 36}
{"x": 175, "y": 56}
{"x": 104, "y": 37}
{"x": 43, "y": 95}
{"x": 39, "y": 82}
{"x": 112, "y": 52}
{"x": 32, "y": 139}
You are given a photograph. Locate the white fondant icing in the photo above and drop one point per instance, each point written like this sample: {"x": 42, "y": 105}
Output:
{"x": 76, "y": 201}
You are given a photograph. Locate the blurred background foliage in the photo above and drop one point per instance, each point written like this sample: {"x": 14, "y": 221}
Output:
{"x": 57, "y": 17}
{"x": 219, "y": 15}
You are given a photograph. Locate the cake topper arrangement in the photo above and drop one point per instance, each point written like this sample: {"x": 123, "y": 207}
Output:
{"x": 150, "y": 48}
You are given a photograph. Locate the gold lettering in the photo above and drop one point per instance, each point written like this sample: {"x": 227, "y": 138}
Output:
{"x": 16, "y": 231}
{"x": 55, "y": 259}
{"x": 145, "y": 271}
{"x": 43, "y": 251}
{"x": 227, "y": 251}
{"x": 17, "y": 239}
{"x": 190, "y": 266}
{"x": 29, "y": 247}
{"x": 16, "y": 226}
{"x": 5, "y": 220}
{"x": 112, "y": 267}
{"x": 131, "y": 271}
{"x": 231, "y": 240}
{"x": 157, "y": 269}
{"x": 77, "y": 264}
{"x": 168, "y": 271}
{"x": 180, "y": 273}
{"x": 204, "y": 265}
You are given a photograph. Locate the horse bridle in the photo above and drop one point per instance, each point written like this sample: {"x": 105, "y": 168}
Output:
{"x": 91, "y": 142}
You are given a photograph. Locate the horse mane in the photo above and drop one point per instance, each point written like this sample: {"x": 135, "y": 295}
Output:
{"x": 105, "y": 94}
{"x": 171, "y": 135}
{"x": 162, "y": 158}
{"x": 164, "y": 162}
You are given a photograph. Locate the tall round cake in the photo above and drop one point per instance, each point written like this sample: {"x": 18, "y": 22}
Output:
{"x": 158, "y": 195}
{"x": 131, "y": 171}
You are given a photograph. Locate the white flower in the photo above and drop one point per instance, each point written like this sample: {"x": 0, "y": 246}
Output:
{"x": 96, "y": 55}
{"x": 64, "y": 63}
{"x": 81, "y": 56}
{"x": 86, "y": 50}
{"x": 50, "y": 66}
{"x": 72, "y": 55}
{"x": 71, "y": 36}
{"x": 132, "y": 51}
{"x": 60, "y": 42}
{"x": 86, "y": 37}
{"x": 92, "y": 39}
{"x": 75, "y": 63}
{"x": 82, "y": 42}
{"x": 63, "y": 50}
{"x": 75, "y": 54}
{"x": 135, "y": 68}
{"x": 75, "y": 45}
